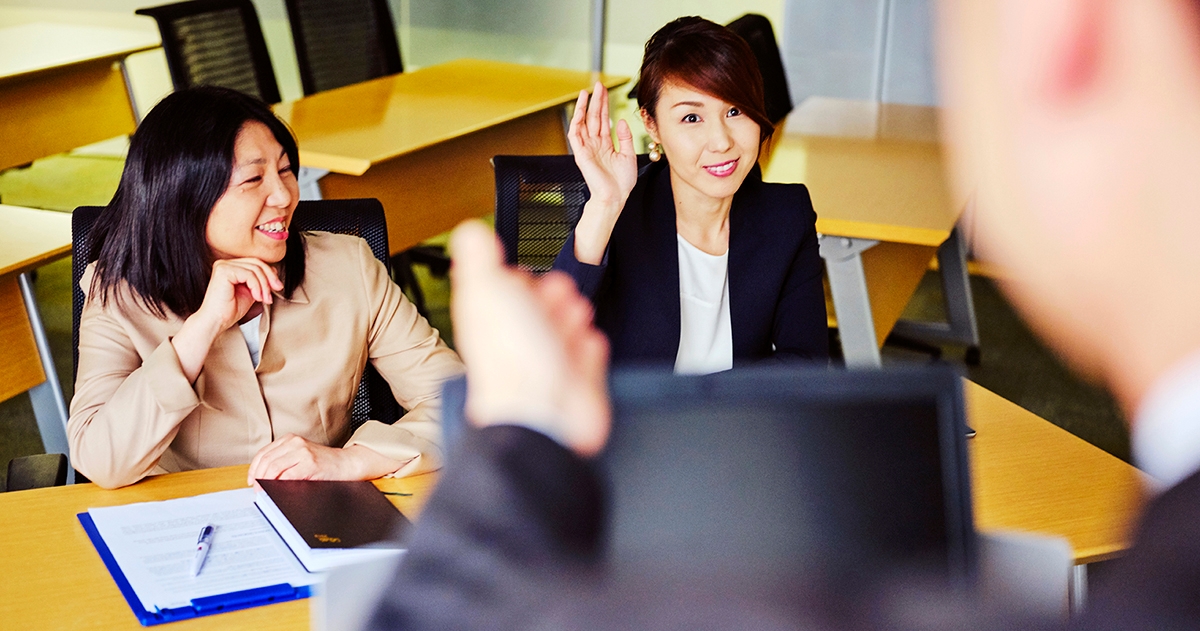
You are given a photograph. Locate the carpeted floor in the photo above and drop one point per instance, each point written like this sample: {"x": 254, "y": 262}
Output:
{"x": 1014, "y": 364}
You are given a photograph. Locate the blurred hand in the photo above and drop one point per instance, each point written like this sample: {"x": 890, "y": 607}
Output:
{"x": 531, "y": 352}
{"x": 294, "y": 458}
{"x": 610, "y": 173}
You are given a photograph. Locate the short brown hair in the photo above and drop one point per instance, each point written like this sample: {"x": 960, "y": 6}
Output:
{"x": 708, "y": 57}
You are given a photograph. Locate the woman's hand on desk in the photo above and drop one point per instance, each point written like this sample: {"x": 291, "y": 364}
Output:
{"x": 236, "y": 286}
{"x": 294, "y": 458}
{"x": 610, "y": 172}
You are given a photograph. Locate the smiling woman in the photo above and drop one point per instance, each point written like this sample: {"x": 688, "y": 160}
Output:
{"x": 212, "y": 335}
{"x": 694, "y": 260}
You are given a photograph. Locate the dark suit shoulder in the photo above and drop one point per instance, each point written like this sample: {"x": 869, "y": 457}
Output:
{"x": 1155, "y": 585}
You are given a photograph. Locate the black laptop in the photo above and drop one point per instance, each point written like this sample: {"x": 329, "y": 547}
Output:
{"x": 786, "y": 471}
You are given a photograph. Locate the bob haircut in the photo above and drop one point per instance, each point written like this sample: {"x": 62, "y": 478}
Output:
{"x": 152, "y": 234}
{"x": 693, "y": 51}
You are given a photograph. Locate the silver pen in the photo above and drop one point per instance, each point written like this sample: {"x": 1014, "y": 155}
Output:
{"x": 203, "y": 543}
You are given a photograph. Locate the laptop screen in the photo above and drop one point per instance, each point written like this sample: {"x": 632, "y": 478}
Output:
{"x": 790, "y": 471}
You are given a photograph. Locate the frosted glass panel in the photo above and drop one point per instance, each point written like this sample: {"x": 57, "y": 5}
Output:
{"x": 909, "y": 69}
{"x": 830, "y": 48}
{"x": 542, "y": 32}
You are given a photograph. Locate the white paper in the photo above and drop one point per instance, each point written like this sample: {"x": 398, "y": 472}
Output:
{"x": 155, "y": 543}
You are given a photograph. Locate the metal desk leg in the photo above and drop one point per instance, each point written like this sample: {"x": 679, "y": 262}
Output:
{"x": 137, "y": 116}
{"x": 960, "y": 326}
{"x": 309, "y": 180}
{"x": 1079, "y": 585}
{"x": 848, "y": 283}
{"x": 48, "y": 405}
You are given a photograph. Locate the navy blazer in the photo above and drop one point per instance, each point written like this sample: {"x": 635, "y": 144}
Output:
{"x": 776, "y": 297}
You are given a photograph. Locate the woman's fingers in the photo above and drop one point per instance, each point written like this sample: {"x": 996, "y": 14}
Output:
{"x": 594, "y": 110}
{"x": 624, "y": 137}
{"x": 580, "y": 111}
{"x": 275, "y": 459}
{"x": 260, "y": 278}
{"x": 605, "y": 122}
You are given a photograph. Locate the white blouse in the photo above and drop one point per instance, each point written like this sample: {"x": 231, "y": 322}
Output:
{"x": 705, "y": 331}
{"x": 250, "y": 332}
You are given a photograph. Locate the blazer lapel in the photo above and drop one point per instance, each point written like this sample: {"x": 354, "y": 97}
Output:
{"x": 662, "y": 273}
{"x": 744, "y": 241}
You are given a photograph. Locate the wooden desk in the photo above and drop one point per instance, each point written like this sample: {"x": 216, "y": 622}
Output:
{"x": 1028, "y": 475}
{"x": 30, "y": 238}
{"x": 421, "y": 141}
{"x": 54, "y": 578}
{"x": 883, "y": 206}
{"x": 63, "y": 86}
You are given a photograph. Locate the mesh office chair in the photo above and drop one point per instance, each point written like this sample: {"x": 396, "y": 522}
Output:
{"x": 538, "y": 202}
{"x": 36, "y": 472}
{"x": 340, "y": 42}
{"x": 359, "y": 217}
{"x": 216, "y": 42}
{"x": 757, "y": 32}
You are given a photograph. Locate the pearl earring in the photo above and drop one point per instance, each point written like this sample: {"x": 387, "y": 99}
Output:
{"x": 655, "y": 151}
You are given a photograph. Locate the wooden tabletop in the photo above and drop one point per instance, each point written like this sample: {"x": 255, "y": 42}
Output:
{"x": 26, "y": 49}
{"x": 349, "y": 129}
{"x": 1027, "y": 475}
{"x": 54, "y": 578}
{"x": 1030, "y": 475}
{"x": 874, "y": 170}
{"x": 30, "y": 238}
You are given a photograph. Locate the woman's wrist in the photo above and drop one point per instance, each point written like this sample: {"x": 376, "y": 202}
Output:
{"x": 368, "y": 464}
{"x": 594, "y": 230}
{"x": 193, "y": 342}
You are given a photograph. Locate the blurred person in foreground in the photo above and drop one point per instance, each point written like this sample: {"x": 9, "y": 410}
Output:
{"x": 1076, "y": 123}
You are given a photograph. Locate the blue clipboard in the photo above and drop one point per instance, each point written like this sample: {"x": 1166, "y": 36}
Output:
{"x": 207, "y": 606}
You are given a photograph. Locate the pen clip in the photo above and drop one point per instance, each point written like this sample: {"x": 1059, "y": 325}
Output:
{"x": 205, "y": 533}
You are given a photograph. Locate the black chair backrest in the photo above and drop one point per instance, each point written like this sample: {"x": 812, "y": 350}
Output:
{"x": 359, "y": 217}
{"x": 340, "y": 42}
{"x": 538, "y": 202}
{"x": 757, "y": 32}
{"x": 216, "y": 42}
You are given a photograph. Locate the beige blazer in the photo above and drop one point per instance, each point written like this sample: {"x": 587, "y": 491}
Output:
{"x": 135, "y": 414}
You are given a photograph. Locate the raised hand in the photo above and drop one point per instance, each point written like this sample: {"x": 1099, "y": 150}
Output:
{"x": 610, "y": 172}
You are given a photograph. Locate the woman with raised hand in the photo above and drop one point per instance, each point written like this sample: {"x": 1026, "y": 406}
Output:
{"x": 213, "y": 335}
{"x": 694, "y": 261}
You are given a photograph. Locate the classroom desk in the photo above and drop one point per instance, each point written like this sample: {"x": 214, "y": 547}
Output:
{"x": 63, "y": 86}
{"x": 883, "y": 207}
{"x": 1028, "y": 475}
{"x": 421, "y": 141}
{"x": 55, "y": 579}
{"x": 30, "y": 238}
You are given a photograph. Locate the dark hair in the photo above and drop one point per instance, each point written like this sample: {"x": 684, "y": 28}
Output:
{"x": 152, "y": 234}
{"x": 708, "y": 57}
